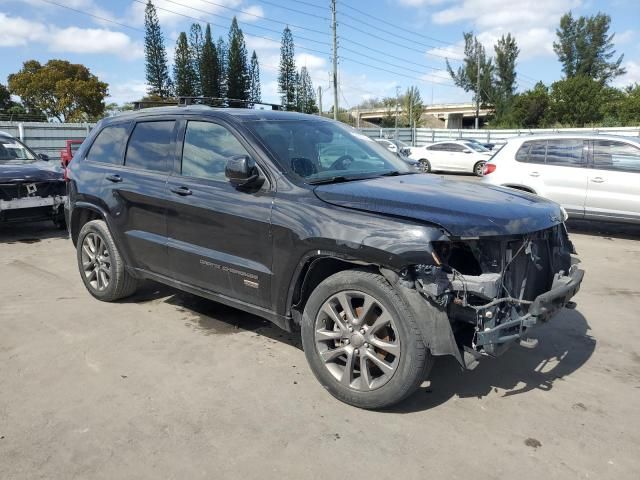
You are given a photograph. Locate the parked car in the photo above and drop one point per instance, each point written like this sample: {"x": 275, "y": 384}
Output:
{"x": 591, "y": 176}
{"x": 487, "y": 145}
{"x": 402, "y": 150}
{"x": 31, "y": 187}
{"x": 452, "y": 156}
{"x": 379, "y": 267}
{"x": 70, "y": 148}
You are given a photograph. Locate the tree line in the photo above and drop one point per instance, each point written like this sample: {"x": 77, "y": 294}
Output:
{"x": 583, "y": 97}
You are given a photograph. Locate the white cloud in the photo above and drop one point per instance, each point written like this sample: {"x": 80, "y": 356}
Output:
{"x": 127, "y": 91}
{"x": 170, "y": 14}
{"x": 251, "y": 14}
{"x": 631, "y": 77}
{"x": 17, "y": 31}
{"x": 532, "y": 22}
{"x": 419, "y": 3}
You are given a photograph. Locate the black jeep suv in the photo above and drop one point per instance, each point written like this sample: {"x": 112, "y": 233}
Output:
{"x": 312, "y": 225}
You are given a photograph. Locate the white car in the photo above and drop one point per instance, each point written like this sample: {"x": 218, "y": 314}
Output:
{"x": 452, "y": 156}
{"x": 591, "y": 176}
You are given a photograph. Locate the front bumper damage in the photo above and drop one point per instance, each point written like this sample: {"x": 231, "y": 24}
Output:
{"x": 480, "y": 296}
{"x": 31, "y": 201}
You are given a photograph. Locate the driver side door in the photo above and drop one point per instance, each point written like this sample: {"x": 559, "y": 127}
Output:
{"x": 219, "y": 236}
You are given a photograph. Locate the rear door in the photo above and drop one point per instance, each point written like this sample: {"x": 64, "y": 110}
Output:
{"x": 614, "y": 181}
{"x": 436, "y": 156}
{"x": 219, "y": 236}
{"x": 564, "y": 173}
{"x": 138, "y": 197}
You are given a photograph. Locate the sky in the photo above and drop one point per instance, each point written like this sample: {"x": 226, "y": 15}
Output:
{"x": 382, "y": 44}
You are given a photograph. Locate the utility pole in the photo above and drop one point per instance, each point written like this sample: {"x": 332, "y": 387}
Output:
{"x": 335, "y": 59}
{"x": 320, "y": 100}
{"x": 411, "y": 118}
{"x": 397, "y": 108}
{"x": 478, "y": 86}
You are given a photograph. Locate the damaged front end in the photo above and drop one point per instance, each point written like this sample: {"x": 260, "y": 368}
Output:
{"x": 488, "y": 292}
{"x": 31, "y": 201}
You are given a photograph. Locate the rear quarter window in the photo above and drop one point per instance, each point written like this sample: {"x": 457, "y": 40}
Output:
{"x": 109, "y": 145}
{"x": 532, "y": 152}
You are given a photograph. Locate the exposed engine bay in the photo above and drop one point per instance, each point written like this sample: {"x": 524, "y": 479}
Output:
{"x": 494, "y": 289}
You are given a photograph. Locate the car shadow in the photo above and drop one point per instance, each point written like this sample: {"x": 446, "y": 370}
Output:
{"x": 210, "y": 317}
{"x": 607, "y": 230}
{"x": 565, "y": 345}
{"x": 31, "y": 232}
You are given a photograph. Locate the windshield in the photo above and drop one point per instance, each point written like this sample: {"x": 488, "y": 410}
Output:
{"x": 12, "y": 150}
{"x": 320, "y": 151}
{"x": 478, "y": 147}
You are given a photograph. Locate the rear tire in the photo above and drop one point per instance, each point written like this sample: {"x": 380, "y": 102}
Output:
{"x": 362, "y": 342}
{"x": 101, "y": 266}
{"x": 478, "y": 168}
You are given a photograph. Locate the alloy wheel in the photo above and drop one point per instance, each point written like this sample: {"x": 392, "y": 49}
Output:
{"x": 96, "y": 262}
{"x": 356, "y": 339}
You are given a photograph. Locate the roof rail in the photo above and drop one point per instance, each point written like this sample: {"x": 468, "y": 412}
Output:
{"x": 222, "y": 102}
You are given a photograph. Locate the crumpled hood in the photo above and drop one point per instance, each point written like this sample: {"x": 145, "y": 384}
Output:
{"x": 462, "y": 208}
{"x": 38, "y": 171}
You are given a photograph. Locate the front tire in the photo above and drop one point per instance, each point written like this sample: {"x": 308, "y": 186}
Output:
{"x": 101, "y": 266}
{"x": 362, "y": 342}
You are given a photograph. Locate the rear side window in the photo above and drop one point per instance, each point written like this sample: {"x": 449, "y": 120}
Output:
{"x": 612, "y": 155}
{"x": 109, "y": 144}
{"x": 566, "y": 152}
{"x": 151, "y": 146}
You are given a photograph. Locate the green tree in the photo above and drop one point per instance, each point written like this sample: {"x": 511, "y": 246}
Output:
{"x": 507, "y": 52}
{"x": 287, "y": 74}
{"x": 531, "y": 108}
{"x": 466, "y": 77}
{"x": 196, "y": 46}
{"x": 255, "y": 93}
{"x": 576, "y": 101}
{"x": 237, "y": 67}
{"x": 630, "y": 108}
{"x": 155, "y": 55}
{"x": 305, "y": 94}
{"x": 412, "y": 106}
{"x": 184, "y": 76}
{"x": 5, "y": 98}
{"x": 585, "y": 48}
{"x": 223, "y": 54}
{"x": 62, "y": 90}
{"x": 209, "y": 67}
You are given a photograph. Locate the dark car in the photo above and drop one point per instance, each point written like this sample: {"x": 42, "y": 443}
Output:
{"x": 487, "y": 145}
{"x": 31, "y": 187}
{"x": 379, "y": 267}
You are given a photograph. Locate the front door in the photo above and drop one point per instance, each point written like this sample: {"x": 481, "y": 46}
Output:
{"x": 219, "y": 237}
{"x": 614, "y": 181}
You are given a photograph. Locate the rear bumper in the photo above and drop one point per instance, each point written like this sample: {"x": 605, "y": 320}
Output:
{"x": 494, "y": 340}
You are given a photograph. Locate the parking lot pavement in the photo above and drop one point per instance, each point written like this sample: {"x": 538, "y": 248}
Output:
{"x": 166, "y": 385}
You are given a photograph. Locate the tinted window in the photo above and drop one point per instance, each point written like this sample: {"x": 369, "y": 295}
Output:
{"x": 612, "y": 155}
{"x": 150, "y": 146}
{"x": 108, "y": 145}
{"x": 207, "y": 147}
{"x": 438, "y": 148}
{"x": 565, "y": 152}
{"x": 455, "y": 147}
{"x": 523, "y": 152}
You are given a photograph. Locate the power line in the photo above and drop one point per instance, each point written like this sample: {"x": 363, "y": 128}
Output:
{"x": 94, "y": 16}
{"x": 387, "y": 54}
{"x": 361, "y": 12}
{"x": 395, "y": 34}
{"x": 302, "y": 12}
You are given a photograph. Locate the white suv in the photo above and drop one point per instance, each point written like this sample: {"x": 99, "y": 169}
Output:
{"x": 591, "y": 176}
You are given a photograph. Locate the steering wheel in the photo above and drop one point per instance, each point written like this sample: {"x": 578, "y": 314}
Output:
{"x": 342, "y": 163}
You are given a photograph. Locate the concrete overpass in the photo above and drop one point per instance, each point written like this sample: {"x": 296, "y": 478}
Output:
{"x": 448, "y": 115}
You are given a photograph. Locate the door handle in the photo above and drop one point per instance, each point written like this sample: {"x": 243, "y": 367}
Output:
{"x": 534, "y": 174}
{"x": 184, "y": 191}
{"x": 114, "y": 178}
{"x": 597, "y": 180}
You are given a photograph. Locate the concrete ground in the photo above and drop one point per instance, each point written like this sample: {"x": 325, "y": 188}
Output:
{"x": 166, "y": 385}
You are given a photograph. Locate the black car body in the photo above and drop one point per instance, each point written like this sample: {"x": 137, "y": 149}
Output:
{"x": 31, "y": 187}
{"x": 287, "y": 210}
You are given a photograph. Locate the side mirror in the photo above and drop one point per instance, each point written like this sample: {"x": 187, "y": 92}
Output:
{"x": 241, "y": 171}
{"x": 43, "y": 156}
{"x": 467, "y": 151}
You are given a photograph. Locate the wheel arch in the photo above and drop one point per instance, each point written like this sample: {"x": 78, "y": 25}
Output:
{"x": 522, "y": 188}
{"x": 80, "y": 215}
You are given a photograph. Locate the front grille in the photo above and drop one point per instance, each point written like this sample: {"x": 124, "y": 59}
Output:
{"x": 21, "y": 190}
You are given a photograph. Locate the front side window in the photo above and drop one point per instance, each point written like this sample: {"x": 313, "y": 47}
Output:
{"x": 108, "y": 145}
{"x": 207, "y": 147}
{"x": 317, "y": 150}
{"x": 614, "y": 155}
{"x": 151, "y": 146}
{"x": 565, "y": 152}
{"x": 455, "y": 147}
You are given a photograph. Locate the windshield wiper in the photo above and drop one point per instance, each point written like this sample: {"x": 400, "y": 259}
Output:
{"x": 395, "y": 173}
{"x": 336, "y": 179}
